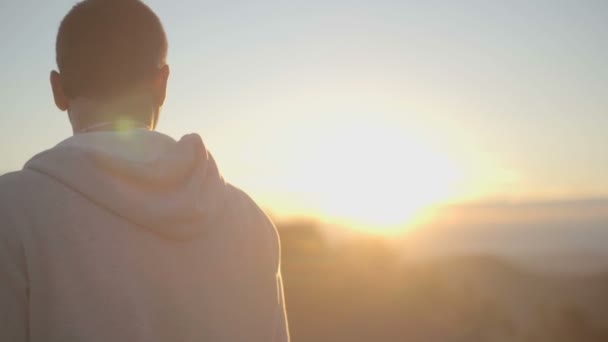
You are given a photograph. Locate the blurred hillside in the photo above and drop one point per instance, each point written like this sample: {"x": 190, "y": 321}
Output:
{"x": 362, "y": 290}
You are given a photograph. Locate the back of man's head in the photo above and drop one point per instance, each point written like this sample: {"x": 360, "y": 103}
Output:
{"x": 106, "y": 48}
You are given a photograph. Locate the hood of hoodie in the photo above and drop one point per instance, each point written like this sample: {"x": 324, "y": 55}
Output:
{"x": 172, "y": 188}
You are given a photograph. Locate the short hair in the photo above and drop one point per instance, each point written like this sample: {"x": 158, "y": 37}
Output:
{"x": 107, "y": 47}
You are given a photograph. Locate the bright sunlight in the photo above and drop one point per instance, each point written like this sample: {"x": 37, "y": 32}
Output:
{"x": 374, "y": 176}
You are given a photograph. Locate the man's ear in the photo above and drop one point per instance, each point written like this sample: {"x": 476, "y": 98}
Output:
{"x": 160, "y": 86}
{"x": 61, "y": 100}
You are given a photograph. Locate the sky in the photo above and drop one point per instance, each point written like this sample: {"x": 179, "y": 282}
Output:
{"x": 365, "y": 111}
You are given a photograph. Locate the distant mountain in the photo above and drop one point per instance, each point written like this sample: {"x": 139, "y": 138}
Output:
{"x": 561, "y": 236}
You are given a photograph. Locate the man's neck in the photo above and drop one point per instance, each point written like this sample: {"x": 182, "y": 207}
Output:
{"x": 114, "y": 126}
{"x": 117, "y": 115}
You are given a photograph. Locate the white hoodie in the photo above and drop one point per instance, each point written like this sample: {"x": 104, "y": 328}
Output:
{"x": 132, "y": 236}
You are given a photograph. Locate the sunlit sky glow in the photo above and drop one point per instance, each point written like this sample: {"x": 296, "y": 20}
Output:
{"x": 364, "y": 111}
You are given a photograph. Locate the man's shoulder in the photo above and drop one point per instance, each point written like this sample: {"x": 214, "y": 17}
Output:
{"x": 11, "y": 181}
{"x": 16, "y": 180}
{"x": 9, "y": 177}
{"x": 254, "y": 222}
{"x": 244, "y": 206}
{"x": 18, "y": 188}
{"x": 14, "y": 189}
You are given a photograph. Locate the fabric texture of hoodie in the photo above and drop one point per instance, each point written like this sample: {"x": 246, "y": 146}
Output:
{"x": 133, "y": 236}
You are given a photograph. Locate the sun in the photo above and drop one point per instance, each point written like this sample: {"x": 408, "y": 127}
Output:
{"x": 376, "y": 177}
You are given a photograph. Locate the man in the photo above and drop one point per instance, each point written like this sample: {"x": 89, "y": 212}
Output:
{"x": 120, "y": 233}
